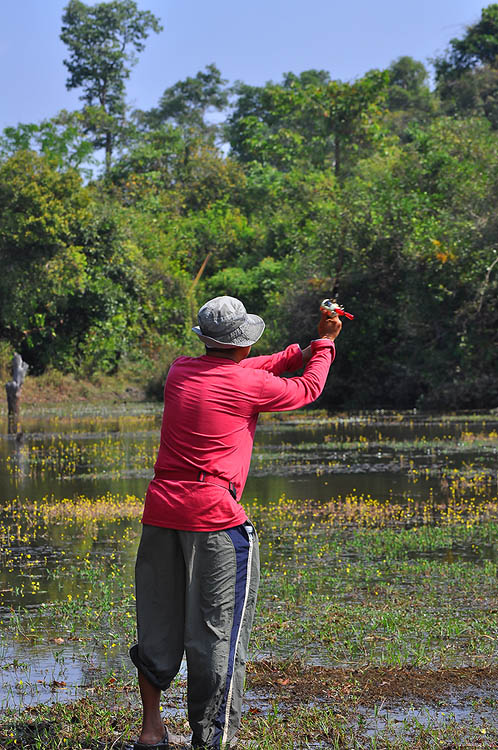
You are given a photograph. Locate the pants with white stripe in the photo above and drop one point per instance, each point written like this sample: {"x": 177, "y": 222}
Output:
{"x": 196, "y": 594}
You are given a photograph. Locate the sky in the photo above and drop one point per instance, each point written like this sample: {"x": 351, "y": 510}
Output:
{"x": 253, "y": 41}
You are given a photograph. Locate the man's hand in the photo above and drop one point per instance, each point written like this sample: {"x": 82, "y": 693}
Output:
{"x": 329, "y": 327}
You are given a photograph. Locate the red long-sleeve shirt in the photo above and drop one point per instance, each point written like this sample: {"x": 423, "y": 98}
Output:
{"x": 211, "y": 407}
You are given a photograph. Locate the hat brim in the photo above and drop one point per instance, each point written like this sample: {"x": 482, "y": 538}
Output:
{"x": 247, "y": 335}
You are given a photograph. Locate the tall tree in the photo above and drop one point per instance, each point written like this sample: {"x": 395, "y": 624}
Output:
{"x": 409, "y": 99}
{"x": 467, "y": 75}
{"x": 478, "y": 47}
{"x": 103, "y": 41}
{"x": 408, "y": 87}
{"x": 308, "y": 120}
{"x": 187, "y": 102}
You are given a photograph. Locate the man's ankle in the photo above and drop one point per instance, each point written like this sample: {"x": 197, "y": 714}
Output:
{"x": 152, "y": 734}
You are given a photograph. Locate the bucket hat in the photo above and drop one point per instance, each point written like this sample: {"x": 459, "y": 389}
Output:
{"x": 225, "y": 323}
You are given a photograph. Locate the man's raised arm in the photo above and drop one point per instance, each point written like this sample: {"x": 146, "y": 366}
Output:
{"x": 289, "y": 360}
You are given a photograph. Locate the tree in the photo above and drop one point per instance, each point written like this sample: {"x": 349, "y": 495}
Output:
{"x": 478, "y": 47}
{"x": 350, "y": 111}
{"x": 61, "y": 139}
{"x": 186, "y": 103}
{"x": 409, "y": 99}
{"x": 103, "y": 41}
{"x": 308, "y": 119}
{"x": 467, "y": 75}
{"x": 474, "y": 93}
{"x": 44, "y": 217}
{"x": 408, "y": 86}
{"x": 265, "y": 126}
{"x": 76, "y": 291}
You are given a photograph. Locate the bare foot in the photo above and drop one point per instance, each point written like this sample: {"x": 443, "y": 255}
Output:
{"x": 153, "y": 735}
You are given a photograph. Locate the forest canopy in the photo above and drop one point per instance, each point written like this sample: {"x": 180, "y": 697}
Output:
{"x": 116, "y": 224}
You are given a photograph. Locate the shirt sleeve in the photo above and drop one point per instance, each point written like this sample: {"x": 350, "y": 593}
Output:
{"x": 283, "y": 394}
{"x": 289, "y": 360}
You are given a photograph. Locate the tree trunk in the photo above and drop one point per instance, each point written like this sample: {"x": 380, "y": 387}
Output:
{"x": 108, "y": 151}
{"x": 13, "y": 388}
{"x": 337, "y": 156}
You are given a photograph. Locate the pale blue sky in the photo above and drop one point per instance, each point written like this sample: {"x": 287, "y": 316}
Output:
{"x": 252, "y": 41}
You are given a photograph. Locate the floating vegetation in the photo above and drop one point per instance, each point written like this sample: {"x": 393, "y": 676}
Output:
{"x": 69, "y": 457}
{"x": 39, "y": 513}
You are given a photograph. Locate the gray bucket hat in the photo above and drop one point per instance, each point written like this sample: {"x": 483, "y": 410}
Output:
{"x": 224, "y": 323}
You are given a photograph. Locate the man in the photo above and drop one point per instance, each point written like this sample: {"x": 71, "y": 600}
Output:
{"x": 197, "y": 568}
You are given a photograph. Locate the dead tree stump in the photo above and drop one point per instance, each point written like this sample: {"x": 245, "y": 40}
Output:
{"x": 13, "y": 388}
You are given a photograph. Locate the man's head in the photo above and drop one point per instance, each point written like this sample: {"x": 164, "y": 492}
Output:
{"x": 225, "y": 324}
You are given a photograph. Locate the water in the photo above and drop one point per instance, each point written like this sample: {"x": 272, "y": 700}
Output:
{"x": 64, "y": 454}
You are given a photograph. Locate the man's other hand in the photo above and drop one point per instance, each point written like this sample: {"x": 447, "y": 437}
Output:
{"x": 329, "y": 327}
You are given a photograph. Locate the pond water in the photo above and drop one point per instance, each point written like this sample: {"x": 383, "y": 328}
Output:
{"x": 64, "y": 478}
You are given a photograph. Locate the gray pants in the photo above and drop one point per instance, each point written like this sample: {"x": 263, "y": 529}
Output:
{"x": 196, "y": 593}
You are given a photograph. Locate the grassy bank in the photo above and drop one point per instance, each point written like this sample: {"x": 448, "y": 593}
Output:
{"x": 53, "y": 388}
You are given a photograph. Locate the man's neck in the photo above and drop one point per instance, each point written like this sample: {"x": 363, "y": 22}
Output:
{"x": 237, "y": 354}
{"x": 222, "y": 353}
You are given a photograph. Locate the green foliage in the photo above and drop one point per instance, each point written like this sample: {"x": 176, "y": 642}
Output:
{"x": 60, "y": 138}
{"x": 409, "y": 99}
{"x": 479, "y": 46}
{"x": 6, "y": 354}
{"x": 164, "y": 171}
{"x": 474, "y": 93}
{"x": 76, "y": 291}
{"x": 186, "y": 103}
{"x": 258, "y": 287}
{"x": 467, "y": 76}
{"x": 42, "y": 219}
{"x": 308, "y": 120}
{"x": 426, "y": 254}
